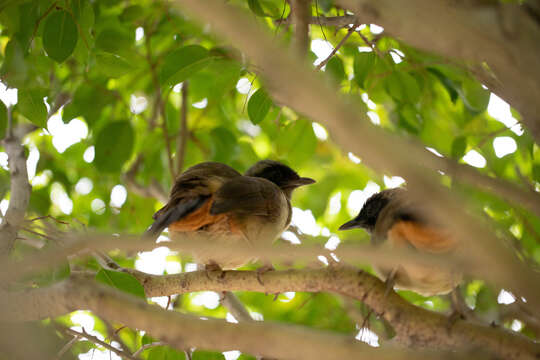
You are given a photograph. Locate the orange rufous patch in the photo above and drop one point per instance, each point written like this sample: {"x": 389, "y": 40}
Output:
{"x": 197, "y": 219}
{"x": 422, "y": 237}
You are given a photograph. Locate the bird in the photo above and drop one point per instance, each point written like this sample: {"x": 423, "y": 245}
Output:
{"x": 211, "y": 203}
{"x": 394, "y": 220}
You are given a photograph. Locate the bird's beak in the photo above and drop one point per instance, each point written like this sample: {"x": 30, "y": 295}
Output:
{"x": 352, "y": 224}
{"x": 301, "y": 182}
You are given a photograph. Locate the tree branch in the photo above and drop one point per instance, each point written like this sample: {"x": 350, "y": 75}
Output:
{"x": 301, "y": 12}
{"x": 95, "y": 340}
{"x": 338, "y": 21}
{"x": 19, "y": 191}
{"x": 182, "y": 330}
{"x": 415, "y": 326}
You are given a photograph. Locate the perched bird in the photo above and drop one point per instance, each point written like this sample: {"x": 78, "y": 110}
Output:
{"x": 394, "y": 220}
{"x": 211, "y": 203}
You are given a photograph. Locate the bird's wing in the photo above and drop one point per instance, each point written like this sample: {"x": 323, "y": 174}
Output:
{"x": 173, "y": 212}
{"x": 247, "y": 195}
{"x": 421, "y": 236}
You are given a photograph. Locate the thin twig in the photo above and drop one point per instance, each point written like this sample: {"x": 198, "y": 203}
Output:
{"x": 36, "y": 26}
{"x": 66, "y": 347}
{"x": 184, "y": 130}
{"x": 349, "y": 33}
{"x": 148, "y": 346}
{"x": 95, "y": 340}
{"x": 338, "y": 21}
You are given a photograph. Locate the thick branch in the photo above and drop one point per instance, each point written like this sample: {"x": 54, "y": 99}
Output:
{"x": 181, "y": 330}
{"x": 301, "y": 13}
{"x": 339, "y": 21}
{"x": 19, "y": 193}
{"x": 503, "y": 36}
{"x": 414, "y": 326}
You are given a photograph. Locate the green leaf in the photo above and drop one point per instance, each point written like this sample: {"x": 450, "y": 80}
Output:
{"x": 256, "y": 8}
{"x": 459, "y": 145}
{"x": 223, "y": 144}
{"x": 258, "y": 106}
{"x": 403, "y": 87}
{"x": 363, "y": 64}
{"x": 14, "y": 69}
{"x": 121, "y": 281}
{"x": 335, "y": 68}
{"x": 3, "y": 119}
{"x": 114, "y": 145}
{"x": 164, "y": 353}
{"x": 115, "y": 40}
{"x": 536, "y": 172}
{"x": 59, "y": 35}
{"x": 475, "y": 97}
{"x": 297, "y": 141}
{"x": 113, "y": 65}
{"x": 31, "y": 105}
{"x": 182, "y": 63}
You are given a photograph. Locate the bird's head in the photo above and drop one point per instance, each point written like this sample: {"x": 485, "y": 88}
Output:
{"x": 280, "y": 174}
{"x": 367, "y": 218}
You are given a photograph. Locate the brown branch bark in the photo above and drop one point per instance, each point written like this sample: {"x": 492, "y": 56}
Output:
{"x": 472, "y": 33}
{"x": 19, "y": 192}
{"x": 295, "y": 85}
{"x": 415, "y": 327}
{"x": 339, "y": 21}
{"x": 301, "y": 13}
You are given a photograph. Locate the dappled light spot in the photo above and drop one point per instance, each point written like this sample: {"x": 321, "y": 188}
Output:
{"x": 208, "y": 299}
{"x": 432, "y": 150}
{"x": 232, "y": 355}
{"x": 8, "y": 96}
{"x": 397, "y": 55}
{"x": 375, "y": 29}
{"x": 323, "y": 259}
{"x": 89, "y": 154}
{"x": 370, "y": 104}
{"x": 118, "y": 196}
{"x": 173, "y": 267}
{"x": 152, "y": 262}
{"x": 161, "y": 301}
{"x": 334, "y": 205}
{"x": 32, "y": 161}
{"x": 137, "y": 104}
{"x": 249, "y": 128}
{"x": 4, "y": 160}
{"x": 474, "y": 158}
{"x": 516, "y": 325}
{"x": 84, "y": 319}
{"x": 139, "y": 33}
{"x": 357, "y": 198}
{"x": 334, "y": 256}
{"x": 65, "y": 135}
{"x": 305, "y": 221}
{"x": 325, "y": 232}
{"x": 332, "y": 243}
{"x": 190, "y": 267}
{"x": 97, "y": 354}
{"x": 60, "y": 198}
{"x": 320, "y": 131}
{"x": 355, "y": 159}
{"x": 200, "y": 104}
{"x": 505, "y": 297}
{"x": 256, "y": 316}
{"x": 84, "y": 186}
{"x": 291, "y": 237}
{"x": 500, "y": 111}
{"x": 364, "y": 49}
{"x": 393, "y": 181}
{"x": 504, "y": 145}
{"x": 287, "y": 296}
{"x": 4, "y": 204}
{"x": 368, "y": 336}
{"x": 322, "y": 50}
{"x": 243, "y": 85}
{"x": 178, "y": 87}
{"x": 98, "y": 206}
{"x": 374, "y": 117}
{"x": 230, "y": 318}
